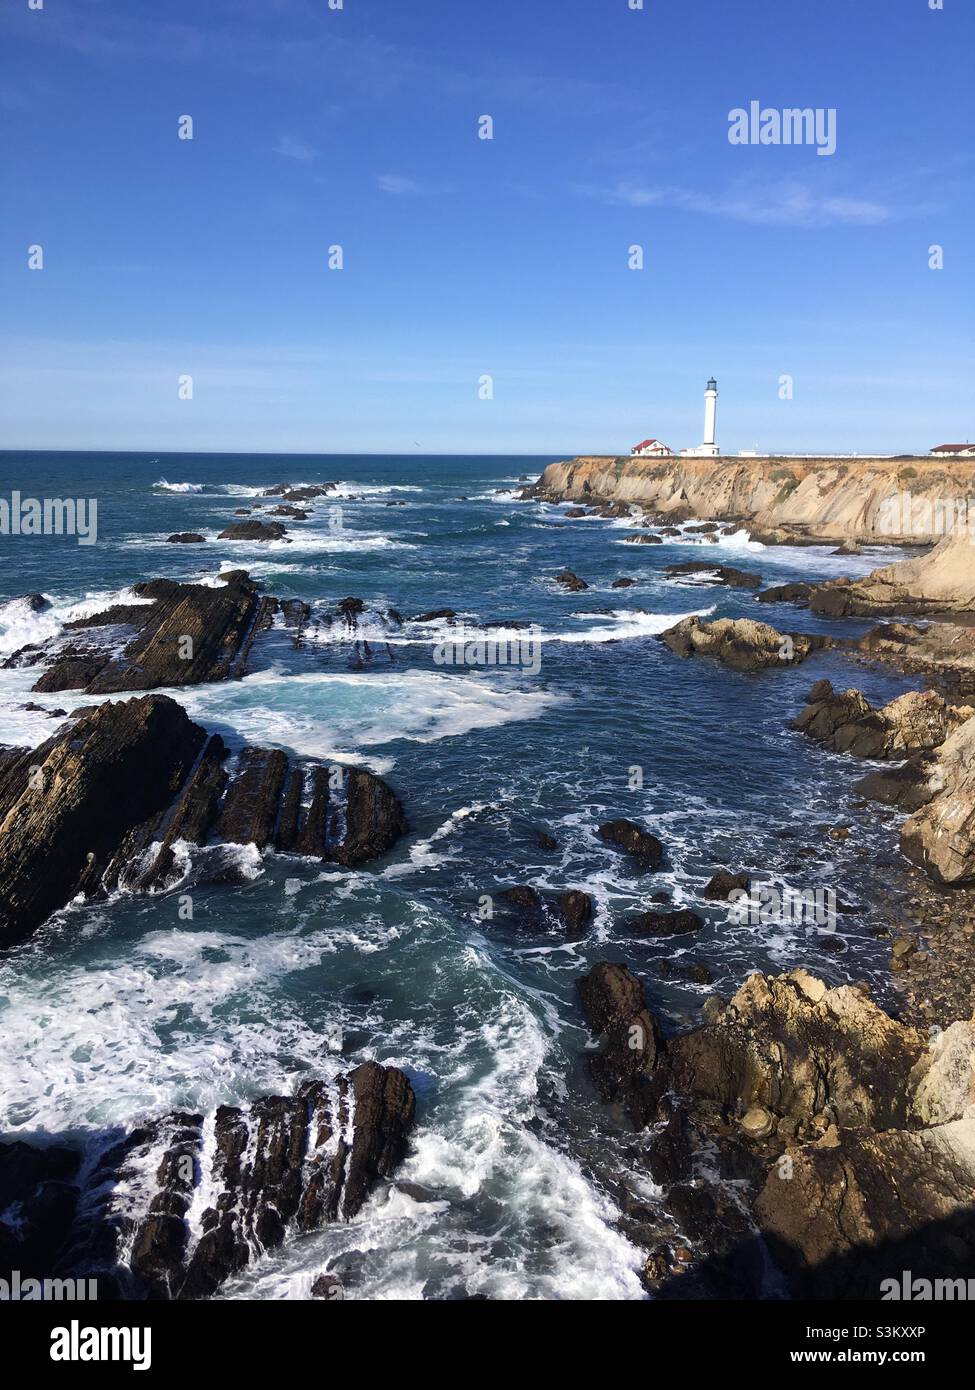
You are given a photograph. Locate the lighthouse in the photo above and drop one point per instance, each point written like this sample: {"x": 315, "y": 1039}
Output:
{"x": 708, "y": 449}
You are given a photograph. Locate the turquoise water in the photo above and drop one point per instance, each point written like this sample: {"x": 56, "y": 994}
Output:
{"x": 119, "y": 1010}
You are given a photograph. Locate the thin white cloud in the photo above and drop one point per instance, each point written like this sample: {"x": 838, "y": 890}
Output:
{"x": 397, "y": 184}
{"x": 291, "y": 148}
{"x": 784, "y": 204}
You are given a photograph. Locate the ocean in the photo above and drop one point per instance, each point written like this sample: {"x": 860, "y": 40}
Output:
{"x": 517, "y": 1178}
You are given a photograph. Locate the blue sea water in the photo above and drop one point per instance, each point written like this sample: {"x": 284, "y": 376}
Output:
{"x": 512, "y": 1189}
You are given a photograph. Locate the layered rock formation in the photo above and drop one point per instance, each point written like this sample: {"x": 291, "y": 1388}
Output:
{"x": 741, "y": 643}
{"x": 809, "y": 499}
{"x": 851, "y": 1136}
{"x": 175, "y": 1207}
{"x": 105, "y": 800}
{"x": 942, "y": 581}
{"x": 181, "y": 634}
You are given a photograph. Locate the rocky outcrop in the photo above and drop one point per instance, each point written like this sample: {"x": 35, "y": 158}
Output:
{"x": 181, "y": 634}
{"x": 782, "y": 499}
{"x": 850, "y": 1137}
{"x": 940, "y": 836}
{"x": 665, "y": 923}
{"x": 943, "y": 651}
{"x": 175, "y": 1207}
{"x": 105, "y": 800}
{"x": 847, "y": 723}
{"x": 186, "y": 538}
{"x": 942, "y": 581}
{"x": 741, "y": 643}
{"x": 797, "y": 593}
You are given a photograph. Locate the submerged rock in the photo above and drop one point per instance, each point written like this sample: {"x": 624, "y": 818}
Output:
{"x": 186, "y": 538}
{"x": 716, "y": 574}
{"x": 571, "y": 581}
{"x": 665, "y": 923}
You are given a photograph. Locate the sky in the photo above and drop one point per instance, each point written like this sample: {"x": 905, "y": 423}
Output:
{"x": 486, "y": 301}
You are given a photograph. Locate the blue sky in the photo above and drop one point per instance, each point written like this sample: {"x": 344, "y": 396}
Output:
{"x": 465, "y": 257}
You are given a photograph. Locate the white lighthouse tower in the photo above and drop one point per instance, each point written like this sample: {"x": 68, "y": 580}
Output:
{"x": 708, "y": 449}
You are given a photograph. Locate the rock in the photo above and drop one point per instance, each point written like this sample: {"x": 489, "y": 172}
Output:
{"x": 186, "y": 538}
{"x": 797, "y": 593}
{"x": 576, "y": 512}
{"x": 940, "y": 836}
{"x": 716, "y": 574}
{"x": 575, "y": 908}
{"x": 187, "y": 635}
{"x": 643, "y": 538}
{"x": 613, "y": 1003}
{"x": 546, "y": 841}
{"x": 328, "y": 1286}
{"x": 942, "y": 581}
{"x": 80, "y": 814}
{"x": 37, "y": 603}
{"x": 741, "y": 643}
{"x": 253, "y": 531}
{"x": 758, "y": 1123}
{"x": 571, "y": 581}
{"x": 645, "y": 848}
{"x": 623, "y": 583}
{"x": 295, "y": 512}
{"x": 915, "y": 722}
{"x": 849, "y": 547}
{"x": 665, "y": 923}
{"x": 435, "y": 615}
{"x": 720, "y": 887}
{"x": 38, "y": 1200}
{"x": 570, "y": 911}
{"x": 281, "y": 1165}
{"x": 67, "y": 807}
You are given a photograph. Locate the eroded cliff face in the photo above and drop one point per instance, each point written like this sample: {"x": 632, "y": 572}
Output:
{"x": 915, "y": 500}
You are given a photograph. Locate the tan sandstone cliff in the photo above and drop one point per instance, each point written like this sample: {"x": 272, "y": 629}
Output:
{"x": 901, "y": 501}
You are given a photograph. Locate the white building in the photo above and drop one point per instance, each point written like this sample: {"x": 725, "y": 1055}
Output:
{"x": 954, "y": 451}
{"x": 651, "y": 448}
{"x": 708, "y": 449}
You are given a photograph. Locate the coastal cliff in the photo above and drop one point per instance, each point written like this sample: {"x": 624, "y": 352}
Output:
{"x": 892, "y": 501}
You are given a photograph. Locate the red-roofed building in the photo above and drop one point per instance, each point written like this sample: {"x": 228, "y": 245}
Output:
{"x": 651, "y": 448}
{"x": 950, "y": 451}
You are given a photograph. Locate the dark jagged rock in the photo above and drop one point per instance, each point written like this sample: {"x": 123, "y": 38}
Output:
{"x": 613, "y": 1003}
{"x": 253, "y": 531}
{"x": 643, "y": 538}
{"x": 295, "y": 512}
{"x": 645, "y": 848}
{"x": 186, "y": 538}
{"x": 665, "y": 923}
{"x": 786, "y": 593}
{"x": 624, "y": 583}
{"x": 717, "y": 574}
{"x": 67, "y": 807}
{"x": 720, "y": 887}
{"x": 35, "y": 602}
{"x": 281, "y": 1166}
{"x": 103, "y": 803}
{"x": 571, "y": 581}
{"x": 307, "y": 493}
{"x": 187, "y": 634}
